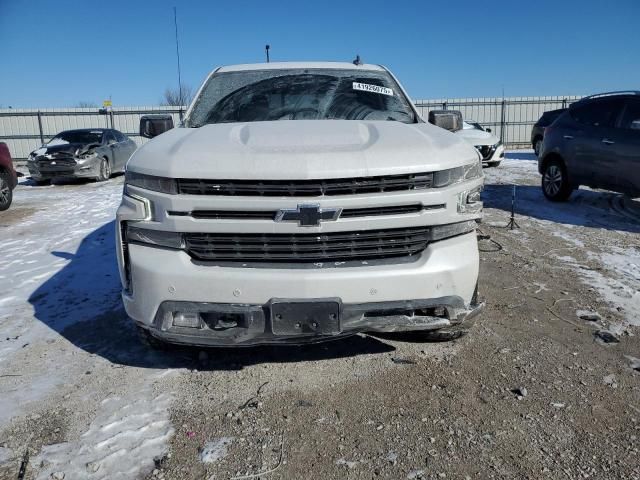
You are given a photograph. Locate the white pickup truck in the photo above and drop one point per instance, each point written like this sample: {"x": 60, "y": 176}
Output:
{"x": 299, "y": 202}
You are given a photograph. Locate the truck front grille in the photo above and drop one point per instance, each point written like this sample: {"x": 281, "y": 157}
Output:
{"x": 56, "y": 173}
{"x": 307, "y": 247}
{"x": 306, "y": 188}
{"x": 56, "y": 163}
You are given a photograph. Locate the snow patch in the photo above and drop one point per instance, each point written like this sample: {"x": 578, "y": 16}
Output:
{"x": 610, "y": 380}
{"x": 121, "y": 442}
{"x": 634, "y": 362}
{"x": 215, "y": 449}
{"x": 6, "y": 454}
{"x": 564, "y": 235}
{"x": 349, "y": 464}
{"x": 621, "y": 288}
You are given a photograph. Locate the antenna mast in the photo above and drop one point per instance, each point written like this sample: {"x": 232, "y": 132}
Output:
{"x": 175, "y": 23}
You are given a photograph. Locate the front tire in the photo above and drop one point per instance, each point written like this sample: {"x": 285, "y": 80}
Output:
{"x": 105, "y": 170}
{"x": 537, "y": 146}
{"x": 149, "y": 340}
{"x": 555, "y": 181}
{"x": 6, "y": 194}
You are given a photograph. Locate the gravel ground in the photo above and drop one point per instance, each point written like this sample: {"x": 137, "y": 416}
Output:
{"x": 534, "y": 391}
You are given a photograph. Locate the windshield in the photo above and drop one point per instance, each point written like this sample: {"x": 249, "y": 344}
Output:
{"x": 76, "y": 136}
{"x": 300, "y": 94}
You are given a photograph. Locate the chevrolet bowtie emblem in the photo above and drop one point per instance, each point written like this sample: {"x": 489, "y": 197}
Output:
{"x": 308, "y": 215}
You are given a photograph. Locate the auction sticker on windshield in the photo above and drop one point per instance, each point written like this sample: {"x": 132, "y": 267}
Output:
{"x": 366, "y": 87}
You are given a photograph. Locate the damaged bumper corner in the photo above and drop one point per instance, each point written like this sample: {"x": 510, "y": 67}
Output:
{"x": 464, "y": 320}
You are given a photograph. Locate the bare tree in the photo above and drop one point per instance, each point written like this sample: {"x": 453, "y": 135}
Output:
{"x": 175, "y": 97}
{"x": 86, "y": 105}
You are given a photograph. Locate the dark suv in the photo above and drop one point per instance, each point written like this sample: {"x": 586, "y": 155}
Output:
{"x": 537, "y": 131}
{"x": 596, "y": 143}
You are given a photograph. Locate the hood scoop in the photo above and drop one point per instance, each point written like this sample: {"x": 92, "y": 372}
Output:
{"x": 304, "y": 136}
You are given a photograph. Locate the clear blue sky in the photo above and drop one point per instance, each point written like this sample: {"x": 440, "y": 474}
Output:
{"x": 58, "y": 53}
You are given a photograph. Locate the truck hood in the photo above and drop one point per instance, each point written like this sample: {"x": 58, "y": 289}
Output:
{"x": 477, "y": 137}
{"x": 301, "y": 149}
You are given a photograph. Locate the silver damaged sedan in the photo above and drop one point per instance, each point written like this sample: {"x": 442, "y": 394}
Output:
{"x": 86, "y": 153}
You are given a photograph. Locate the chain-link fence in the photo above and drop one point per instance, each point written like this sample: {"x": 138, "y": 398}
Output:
{"x": 24, "y": 130}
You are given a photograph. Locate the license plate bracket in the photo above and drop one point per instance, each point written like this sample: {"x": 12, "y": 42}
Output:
{"x": 305, "y": 318}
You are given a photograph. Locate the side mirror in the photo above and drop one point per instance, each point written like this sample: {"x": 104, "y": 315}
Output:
{"x": 487, "y": 130}
{"x": 153, "y": 125}
{"x": 448, "y": 119}
{"x": 111, "y": 141}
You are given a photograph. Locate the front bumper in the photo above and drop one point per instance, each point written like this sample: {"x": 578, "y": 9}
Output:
{"x": 84, "y": 169}
{"x": 435, "y": 291}
{"x": 256, "y": 325}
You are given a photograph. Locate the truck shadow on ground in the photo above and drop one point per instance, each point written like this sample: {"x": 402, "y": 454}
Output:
{"x": 585, "y": 208}
{"x": 82, "y": 303}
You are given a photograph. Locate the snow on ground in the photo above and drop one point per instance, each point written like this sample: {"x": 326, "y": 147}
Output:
{"x": 619, "y": 285}
{"x": 60, "y": 290}
{"x": 601, "y": 224}
{"x": 123, "y": 430}
{"x": 42, "y": 290}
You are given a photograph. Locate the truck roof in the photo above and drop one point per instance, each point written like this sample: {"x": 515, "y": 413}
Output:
{"x": 283, "y": 65}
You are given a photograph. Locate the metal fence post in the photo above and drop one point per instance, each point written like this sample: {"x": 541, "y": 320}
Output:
{"x": 502, "y": 120}
{"x": 40, "y": 128}
{"x": 111, "y": 117}
{"x": 444, "y": 105}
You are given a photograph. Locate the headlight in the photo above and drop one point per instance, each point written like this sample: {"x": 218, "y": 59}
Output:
{"x": 87, "y": 155}
{"x": 151, "y": 182}
{"x": 154, "y": 237}
{"x": 444, "y": 178}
